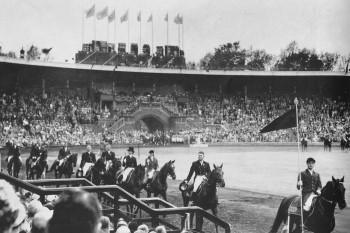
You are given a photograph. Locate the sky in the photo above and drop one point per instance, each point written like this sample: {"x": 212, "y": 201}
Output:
{"x": 323, "y": 25}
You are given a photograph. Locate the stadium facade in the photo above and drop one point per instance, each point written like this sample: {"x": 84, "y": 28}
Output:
{"x": 142, "y": 81}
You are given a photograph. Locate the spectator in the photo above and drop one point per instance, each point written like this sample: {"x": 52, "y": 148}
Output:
{"x": 160, "y": 229}
{"x": 40, "y": 220}
{"x": 76, "y": 211}
{"x": 12, "y": 213}
{"x": 105, "y": 224}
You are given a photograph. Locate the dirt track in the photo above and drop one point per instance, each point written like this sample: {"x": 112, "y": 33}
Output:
{"x": 248, "y": 211}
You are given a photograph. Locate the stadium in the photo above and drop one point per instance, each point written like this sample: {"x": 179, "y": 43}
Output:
{"x": 117, "y": 101}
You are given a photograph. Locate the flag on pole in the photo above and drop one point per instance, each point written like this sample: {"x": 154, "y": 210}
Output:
{"x": 90, "y": 12}
{"x": 139, "y": 17}
{"x": 102, "y": 14}
{"x": 177, "y": 19}
{"x": 124, "y": 17}
{"x": 150, "y": 18}
{"x": 111, "y": 17}
{"x": 181, "y": 20}
{"x": 287, "y": 120}
{"x": 166, "y": 17}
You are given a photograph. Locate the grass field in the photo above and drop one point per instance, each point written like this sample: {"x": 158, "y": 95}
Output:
{"x": 256, "y": 178}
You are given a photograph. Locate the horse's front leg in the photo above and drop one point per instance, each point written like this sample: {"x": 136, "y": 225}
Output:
{"x": 215, "y": 212}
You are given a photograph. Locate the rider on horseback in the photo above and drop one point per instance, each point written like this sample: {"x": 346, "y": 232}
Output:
{"x": 310, "y": 183}
{"x": 201, "y": 170}
{"x": 151, "y": 166}
{"x": 13, "y": 155}
{"x": 129, "y": 163}
{"x": 88, "y": 159}
{"x": 62, "y": 154}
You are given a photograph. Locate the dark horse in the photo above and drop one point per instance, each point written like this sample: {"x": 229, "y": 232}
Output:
{"x": 14, "y": 165}
{"x": 207, "y": 197}
{"x": 36, "y": 166}
{"x": 67, "y": 166}
{"x": 327, "y": 144}
{"x": 134, "y": 184}
{"x": 104, "y": 172}
{"x": 159, "y": 184}
{"x": 321, "y": 220}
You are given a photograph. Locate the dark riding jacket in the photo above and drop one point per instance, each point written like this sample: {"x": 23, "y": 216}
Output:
{"x": 311, "y": 183}
{"x": 87, "y": 158}
{"x": 129, "y": 161}
{"x": 63, "y": 152}
{"x": 151, "y": 163}
{"x": 199, "y": 170}
{"x": 109, "y": 155}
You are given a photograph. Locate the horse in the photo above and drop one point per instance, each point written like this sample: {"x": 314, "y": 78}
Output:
{"x": 104, "y": 172}
{"x": 134, "y": 184}
{"x": 14, "y": 165}
{"x": 159, "y": 184}
{"x": 207, "y": 197}
{"x": 304, "y": 144}
{"x": 36, "y": 166}
{"x": 321, "y": 219}
{"x": 67, "y": 166}
{"x": 327, "y": 144}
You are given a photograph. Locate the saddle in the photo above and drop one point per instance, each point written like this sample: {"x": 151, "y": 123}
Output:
{"x": 127, "y": 178}
{"x": 294, "y": 207}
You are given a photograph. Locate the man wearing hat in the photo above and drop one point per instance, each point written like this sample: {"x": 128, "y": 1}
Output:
{"x": 310, "y": 182}
{"x": 151, "y": 164}
{"x": 129, "y": 163}
{"x": 201, "y": 170}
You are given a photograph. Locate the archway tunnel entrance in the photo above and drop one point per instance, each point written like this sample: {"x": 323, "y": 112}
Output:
{"x": 150, "y": 124}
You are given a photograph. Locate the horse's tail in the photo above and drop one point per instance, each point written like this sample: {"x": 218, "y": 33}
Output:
{"x": 280, "y": 213}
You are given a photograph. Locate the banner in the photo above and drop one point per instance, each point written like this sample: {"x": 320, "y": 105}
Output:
{"x": 287, "y": 120}
{"x": 111, "y": 17}
{"x": 150, "y": 19}
{"x": 90, "y": 12}
{"x": 177, "y": 19}
{"x": 139, "y": 17}
{"x": 124, "y": 17}
{"x": 102, "y": 14}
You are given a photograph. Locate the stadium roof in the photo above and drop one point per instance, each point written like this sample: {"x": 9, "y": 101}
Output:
{"x": 166, "y": 71}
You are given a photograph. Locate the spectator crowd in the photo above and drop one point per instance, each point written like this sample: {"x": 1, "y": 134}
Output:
{"x": 59, "y": 117}
{"x": 74, "y": 211}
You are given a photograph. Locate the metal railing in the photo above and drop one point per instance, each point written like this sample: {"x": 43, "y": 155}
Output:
{"x": 142, "y": 203}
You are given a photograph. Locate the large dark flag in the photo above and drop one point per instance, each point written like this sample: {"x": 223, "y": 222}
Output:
{"x": 287, "y": 120}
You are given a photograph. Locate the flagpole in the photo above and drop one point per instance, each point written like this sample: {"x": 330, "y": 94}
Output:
{"x": 94, "y": 33}
{"x": 152, "y": 34}
{"x": 83, "y": 24}
{"x": 128, "y": 33}
{"x": 115, "y": 32}
{"x": 179, "y": 36}
{"x": 167, "y": 32}
{"x": 107, "y": 31}
{"x": 183, "y": 41}
{"x": 301, "y": 188}
{"x": 140, "y": 34}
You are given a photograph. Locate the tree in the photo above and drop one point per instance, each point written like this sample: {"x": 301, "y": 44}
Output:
{"x": 257, "y": 59}
{"x": 294, "y": 58}
{"x": 329, "y": 60}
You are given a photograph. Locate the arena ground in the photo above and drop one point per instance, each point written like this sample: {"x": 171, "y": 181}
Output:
{"x": 257, "y": 178}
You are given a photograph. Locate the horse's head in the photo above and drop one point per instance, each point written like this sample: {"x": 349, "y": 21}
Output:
{"x": 140, "y": 172}
{"x": 73, "y": 159}
{"x": 217, "y": 175}
{"x": 169, "y": 169}
{"x": 335, "y": 191}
